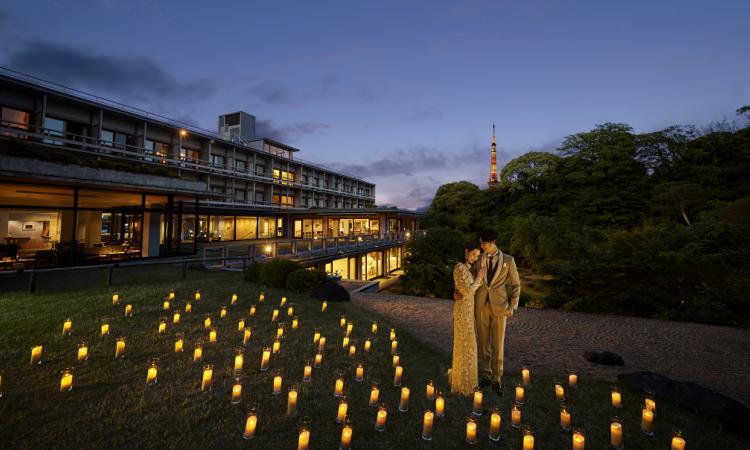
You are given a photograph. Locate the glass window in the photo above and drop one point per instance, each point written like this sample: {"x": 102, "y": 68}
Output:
{"x": 15, "y": 118}
{"x": 240, "y": 165}
{"x": 217, "y": 161}
{"x": 247, "y": 228}
{"x": 222, "y": 228}
{"x": 54, "y": 127}
{"x": 260, "y": 169}
{"x": 298, "y": 228}
{"x": 374, "y": 226}
{"x": 266, "y": 227}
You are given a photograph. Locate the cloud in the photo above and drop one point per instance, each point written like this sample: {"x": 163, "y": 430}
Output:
{"x": 134, "y": 78}
{"x": 272, "y": 92}
{"x": 424, "y": 114}
{"x": 288, "y": 133}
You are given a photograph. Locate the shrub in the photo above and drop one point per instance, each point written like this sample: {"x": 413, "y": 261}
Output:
{"x": 252, "y": 273}
{"x": 274, "y": 273}
{"x": 304, "y": 280}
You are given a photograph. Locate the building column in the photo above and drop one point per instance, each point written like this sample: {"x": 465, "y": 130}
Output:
{"x": 151, "y": 234}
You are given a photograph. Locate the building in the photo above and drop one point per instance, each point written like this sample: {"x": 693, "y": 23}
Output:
{"x": 493, "y": 161}
{"x": 85, "y": 180}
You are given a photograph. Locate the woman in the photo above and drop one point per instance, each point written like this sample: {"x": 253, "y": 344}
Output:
{"x": 463, "y": 373}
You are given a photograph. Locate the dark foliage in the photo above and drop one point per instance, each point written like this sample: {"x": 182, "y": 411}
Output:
{"x": 275, "y": 273}
{"x": 304, "y": 280}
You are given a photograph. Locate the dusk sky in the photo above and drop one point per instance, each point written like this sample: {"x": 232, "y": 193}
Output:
{"x": 402, "y": 93}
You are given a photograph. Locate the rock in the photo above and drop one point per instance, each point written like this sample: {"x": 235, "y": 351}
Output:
{"x": 331, "y": 291}
{"x": 604, "y": 357}
{"x": 733, "y": 414}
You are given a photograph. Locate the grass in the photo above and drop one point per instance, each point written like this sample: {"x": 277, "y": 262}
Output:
{"x": 111, "y": 406}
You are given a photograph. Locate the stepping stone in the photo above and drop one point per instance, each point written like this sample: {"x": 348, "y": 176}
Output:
{"x": 603, "y": 357}
{"x": 331, "y": 291}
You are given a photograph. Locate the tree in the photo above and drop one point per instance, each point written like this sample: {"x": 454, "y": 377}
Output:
{"x": 678, "y": 197}
{"x": 453, "y": 200}
{"x": 527, "y": 171}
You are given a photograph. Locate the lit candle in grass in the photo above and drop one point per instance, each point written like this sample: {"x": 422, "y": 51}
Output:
{"x": 477, "y": 403}
{"x": 393, "y": 333}
{"x": 223, "y": 312}
{"x": 318, "y": 360}
{"x": 276, "y": 346}
{"x": 394, "y": 347}
{"x": 381, "y": 417}
{"x": 564, "y": 418}
{"x": 241, "y": 325}
{"x": 280, "y": 330}
{"x": 615, "y": 434}
{"x": 526, "y": 376}
{"x": 295, "y": 323}
{"x": 290, "y": 311}
{"x": 291, "y": 402}
{"x": 176, "y": 317}
{"x": 398, "y": 372}
{"x": 212, "y": 336}
{"x": 236, "y": 391}
{"x": 359, "y": 373}
{"x": 250, "y": 424}
{"x": 342, "y": 322}
{"x": 471, "y": 431}
{"x": 338, "y": 389}
{"x": 120, "y": 347}
{"x": 67, "y": 327}
{"x": 162, "y": 325}
{"x": 352, "y": 349}
{"x": 66, "y": 380}
{"x": 303, "y": 441}
{"x": 275, "y": 315}
{"x": 277, "y": 383}
{"x": 283, "y": 301}
{"x": 252, "y": 310}
{"x": 188, "y": 307}
{"x": 198, "y": 352}
{"x": 403, "y": 404}
{"x": 559, "y": 392}
{"x": 429, "y": 390}
{"x": 368, "y": 344}
{"x": 345, "y": 342}
{"x": 197, "y": 295}
{"x": 342, "y": 409}
{"x": 374, "y": 394}
{"x": 321, "y": 343}
{"x": 208, "y": 375}
{"x": 346, "y": 436}
{"x": 307, "y": 372}
{"x": 324, "y": 306}
{"x": 83, "y": 351}
{"x": 316, "y": 336}
{"x": 234, "y": 299}
{"x": 374, "y": 328}
{"x": 349, "y": 328}
{"x": 678, "y": 441}
{"x": 165, "y": 305}
{"x": 427, "y": 418}
{"x": 440, "y": 405}
{"x": 647, "y": 422}
{"x": 616, "y": 398}
{"x": 515, "y": 416}
{"x": 572, "y": 380}
{"x": 261, "y": 297}
{"x": 104, "y": 328}
{"x": 520, "y": 394}
{"x": 579, "y": 440}
{"x": 247, "y": 334}
{"x": 36, "y": 354}
{"x": 495, "y": 421}
{"x": 151, "y": 373}
{"x": 528, "y": 438}
{"x": 115, "y": 298}
{"x": 179, "y": 343}
{"x": 128, "y": 310}
{"x": 207, "y": 322}
{"x": 171, "y": 295}
{"x": 265, "y": 358}
{"x": 649, "y": 403}
{"x": 239, "y": 359}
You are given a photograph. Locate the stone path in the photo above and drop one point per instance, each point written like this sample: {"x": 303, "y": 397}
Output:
{"x": 553, "y": 341}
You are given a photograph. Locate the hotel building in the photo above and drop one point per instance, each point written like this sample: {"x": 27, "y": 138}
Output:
{"x": 85, "y": 180}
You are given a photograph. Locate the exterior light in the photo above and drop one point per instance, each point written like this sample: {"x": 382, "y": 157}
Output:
{"x": 183, "y": 133}
{"x": 268, "y": 249}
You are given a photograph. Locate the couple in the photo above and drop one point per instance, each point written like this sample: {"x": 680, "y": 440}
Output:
{"x": 482, "y": 304}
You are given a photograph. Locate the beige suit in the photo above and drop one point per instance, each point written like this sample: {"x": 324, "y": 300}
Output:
{"x": 490, "y": 305}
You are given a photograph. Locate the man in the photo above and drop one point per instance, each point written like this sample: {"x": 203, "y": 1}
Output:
{"x": 492, "y": 307}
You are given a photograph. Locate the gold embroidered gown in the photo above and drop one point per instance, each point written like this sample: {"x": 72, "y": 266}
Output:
{"x": 463, "y": 374}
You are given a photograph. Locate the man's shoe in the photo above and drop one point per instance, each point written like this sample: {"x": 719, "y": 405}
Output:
{"x": 498, "y": 388}
{"x": 483, "y": 383}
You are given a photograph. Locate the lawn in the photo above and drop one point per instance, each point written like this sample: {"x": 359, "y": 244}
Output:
{"x": 111, "y": 405}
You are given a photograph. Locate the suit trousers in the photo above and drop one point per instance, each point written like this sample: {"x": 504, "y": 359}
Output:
{"x": 491, "y": 340}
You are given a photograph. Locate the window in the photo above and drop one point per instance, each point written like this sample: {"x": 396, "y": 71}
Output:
{"x": 240, "y": 165}
{"x": 187, "y": 154}
{"x": 260, "y": 197}
{"x": 283, "y": 200}
{"x": 260, "y": 169}
{"x": 240, "y": 194}
{"x": 298, "y": 228}
{"x": 114, "y": 139}
{"x": 217, "y": 189}
{"x": 54, "y": 127}
{"x": 155, "y": 148}
{"x": 217, "y": 161}
{"x": 284, "y": 176}
{"x": 304, "y": 178}
{"x": 247, "y": 228}
{"x": 266, "y": 227}
{"x": 14, "y": 118}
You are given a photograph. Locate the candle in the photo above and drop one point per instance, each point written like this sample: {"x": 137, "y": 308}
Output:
{"x": 295, "y": 323}
{"x": 234, "y": 299}
{"x": 128, "y": 310}
{"x": 477, "y": 406}
{"x": 83, "y": 351}
{"x": 528, "y": 442}
{"x": 236, "y": 391}
{"x": 275, "y": 315}
{"x": 198, "y": 353}
{"x": 67, "y": 327}
{"x": 261, "y": 297}
{"x": 321, "y": 343}
{"x": 615, "y": 434}
{"x": 374, "y": 328}
{"x": 343, "y": 408}
{"x": 471, "y": 431}
{"x": 572, "y": 380}
{"x": 104, "y": 329}
{"x": 291, "y": 402}
{"x": 304, "y": 439}
{"x": 171, "y": 295}
{"x": 239, "y": 359}
{"x": 265, "y": 359}
{"x": 374, "y": 394}
{"x": 307, "y": 372}
{"x": 397, "y": 373}
{"x": 647, "y": 422}
{"x": 579, "y": 440}
{"x": 162, "y": 325}
{"x": 223, "y": 313}
{"x": 342, "y": 322}
{"x": 277, "y": 383}
{"x": 394, "y": 347}
{"x": 403, "y": 404}
{"x": 178, "y": 343}
{"x": 526, "y": 376}
{"x": 188, "y": 307}
{"x": 564, "y": 418}
{"x": 280, "y": 330}
{"x": 393, "y": 333}
{"x": 120, "y": 348}
{"x": 349, "y": 328}
{"x": 616, "y": 398}
{"x": 515, "y": 416}
{"x": 345, "y": 342}
{"x": 246, "y": 336}
{"x": 359, "y": 373}
{"x": 176, "y": 317}
{"x": 338, "y": 389}
{"x": 368, "y": 343}
{"x": 151, "y": 374}
{"x": 324, "y": 306}
{"x": 519, "y": 394}
{"x": 283, "y": 301}
{"x": 250, "y": 423}
{"x": 197, "y": 295}
{"x": 559, "y": 392}
{"x": 429, "y": 390}
{"x": 495, "y": 421}
{"x": 252, "y": 310}
{"x": 36, "y": 354}
{"x": 276, "y": 346}
{"x": 316, "y": 336}
{"x": 678, "y": 442}
{"x": 427, "y": 420}
{"x": 318, "y": 360}
{"x": 241, "y": 325}
{"x": 352, "y": 350}
{"x": 66, "y": 380}
{"x": 440, "y": 405}
{"x": 212, "y": 336}
{"x": 346, "y": 437}
{"x": 381, "y": 417}
{"x": 208, "y": 374}
{"x": 165, "y": 305}
{"x": 207, "y": 322}
{"x": 650, "y": 404}
{"x": 290, "y": 311}
{"x": 115, "y": 298}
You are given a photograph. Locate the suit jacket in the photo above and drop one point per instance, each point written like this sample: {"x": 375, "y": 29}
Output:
{"x": 495, "y": 290}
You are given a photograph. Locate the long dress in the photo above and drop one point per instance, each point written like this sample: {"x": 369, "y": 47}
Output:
{"x": 463, "y": 374}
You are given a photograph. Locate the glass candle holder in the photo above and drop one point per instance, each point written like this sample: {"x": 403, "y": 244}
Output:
{"x": 374, "y": 328}
{"x": 342, "y": 321}
{"x": 223, "y": 312}
{"x": 316, "y": 335}
{"x": 197, "y": 295}
{"x": 295, "y": 323}
{"x": 338, "y": 388}
{"x": 212, "y": 336}
{"x": 291, "y": 402}
{"x": 429, "y": 390}
{"x": 428, "y": 417}
{"x": 471, "y": 430}
{"x": 165, "y": 305}
{"x": 252, "y": 310}
{"x": 374, "y": 394}
{"x": 66, "y": 380}
{"x": 207, "y": 378}
{"x": 359, "y": 373}
{"x": 265, "y": 359}
{"x": 526, "y": 376}
{"x": 381, "y": 417}
{"x": 198, "y": 351}
{"x": 233, "y": 300}
{"x": 579, "y": 439}
{"x": 647, "y": 422}
{"x": 495, "y": 423}
{"x": 324, "y": 306}
{"x": 649, "y": 402}
{"x": 275, "y": 315}
{"x": 515, "y": 416}
{"x": 188, "y": 307}
{"x": 277, "y": 379}
{"x": 368, "y": 344}
{"x": 179, "y": 342}
{"x": 318, "y": 360}
{"x": 120, "y": 348}
{"x": 398, "y": 372}
{"x": 276, "y": 348}
{"x": 207, "y": 321}
{"x": 128, "y": 310}
{"x": 251, "y": 423}
{"x": 528, "y": 437}
{"x": 572, "y": 379}
{"x": 477, "y": 402}
{"x": 261, "y": 297}
{"x": 152, "y": 373}
{"x": 615, "y": 434}
{"x": 559, "y": 391}
{"x": 104, "y": 328}
{"x": 565, "y": 417}
{"x": 342, "y": 409}
{"x": 115, "y": 298}
{"x": 346, "y": 435}
{"x": 678, "y": 441}
{"x": 403, "y": 404}
{"x": 303, "y": 439}
{"x": 241, "y": 325}
{"x": 67, "y": 327}
{"x": 36, "y": 354}
{"x": 247, "y": 333}
{"x": 439, "y": 404}
{"x": 520, "y": 394}
{"x": 307, "y": 372}
{"x": 162, "y": 325}
{"x": 236, "y": 391}
{"x": 616, "y": 397}
{"x": 239, "y": 359}
{"x": 176, "y": 317}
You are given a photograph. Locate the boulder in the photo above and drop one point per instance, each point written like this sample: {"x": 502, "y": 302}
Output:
{"x": 604, "y": 357}
{"x": 331, "y": 291}
{"x": 734, "y": 415}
